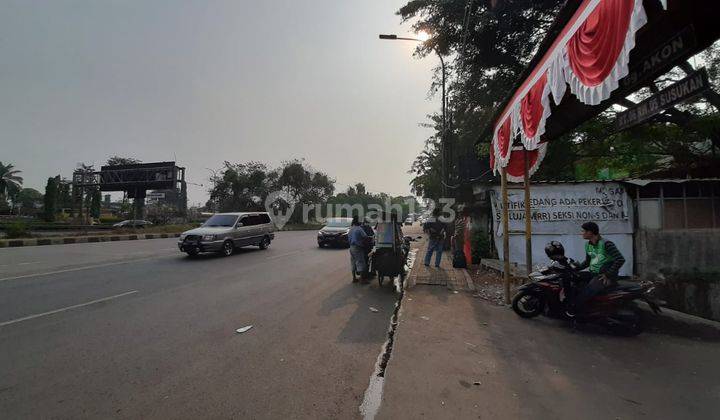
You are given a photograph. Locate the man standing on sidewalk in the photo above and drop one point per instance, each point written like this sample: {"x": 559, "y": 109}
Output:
{"x": 436, "y": 241}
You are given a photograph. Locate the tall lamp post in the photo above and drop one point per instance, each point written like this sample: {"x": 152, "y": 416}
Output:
{"x": 443, "y": 137}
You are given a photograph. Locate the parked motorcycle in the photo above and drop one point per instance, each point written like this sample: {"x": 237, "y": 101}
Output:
{"x": 615, "y": 308}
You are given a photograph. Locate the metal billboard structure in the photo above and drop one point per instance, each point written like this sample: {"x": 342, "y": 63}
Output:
{"x": 135, "y": 180}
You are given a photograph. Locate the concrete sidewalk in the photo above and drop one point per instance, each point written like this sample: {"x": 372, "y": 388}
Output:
{"x": 460, "y": 357}
{"x": 446, "y": 275}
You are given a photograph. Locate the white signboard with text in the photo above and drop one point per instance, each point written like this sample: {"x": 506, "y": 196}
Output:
{"x": 558, "y": 211}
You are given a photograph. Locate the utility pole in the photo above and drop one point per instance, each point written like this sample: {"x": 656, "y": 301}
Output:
{"x": 528, "y": 215}
{"x": 506, "y": 235}
{"x": 443, "y": 135}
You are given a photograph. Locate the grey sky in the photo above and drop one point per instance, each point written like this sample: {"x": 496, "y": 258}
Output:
{"x": 210, "y": 81}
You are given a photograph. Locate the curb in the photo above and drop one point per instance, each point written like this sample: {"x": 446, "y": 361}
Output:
{"x": 411, "y": 280}
{"x": 14, "y": 243}
{"x": 469, "y": 283}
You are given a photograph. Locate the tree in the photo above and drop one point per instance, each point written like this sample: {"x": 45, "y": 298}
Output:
{"x": 27, "y": 200}
{"x": 51, "y": 198}
{"x": 491, "y": 43}
{"x": 302, "y": 185}
{"x": 116, "y": 160}
{"x": 65, "y": 196}
{"x": 95, "y": 203}
{"x": 243, "y": 186}
{"x": 360, "y": 188}
{"x": 10, "y": 181}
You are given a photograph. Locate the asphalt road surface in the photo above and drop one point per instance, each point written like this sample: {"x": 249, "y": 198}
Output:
{"x": 135, "y": 329}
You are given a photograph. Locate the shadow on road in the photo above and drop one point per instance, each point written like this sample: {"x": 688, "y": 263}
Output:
{"x": 216, "y": 255}
{"x": 363, "y": 326}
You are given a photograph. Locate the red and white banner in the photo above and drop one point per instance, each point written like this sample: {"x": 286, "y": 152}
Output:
{"x": 590, "y": 55}
{"x": 516, "y": 166}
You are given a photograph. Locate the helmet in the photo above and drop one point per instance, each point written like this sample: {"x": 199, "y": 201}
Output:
{"x": 555, "y": 250}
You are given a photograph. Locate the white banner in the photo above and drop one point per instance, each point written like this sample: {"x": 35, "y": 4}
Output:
{"x": 562, "y": 208}
{"x": 558, "y": 211}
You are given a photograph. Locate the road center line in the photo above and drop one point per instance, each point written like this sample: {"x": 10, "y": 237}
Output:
{"x": 284, "y": 255}
{"x": 87, "y": 267}
{"x": 67, "y": 308}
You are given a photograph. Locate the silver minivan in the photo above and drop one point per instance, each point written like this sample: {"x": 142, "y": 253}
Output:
{"x": 224, "y": 232}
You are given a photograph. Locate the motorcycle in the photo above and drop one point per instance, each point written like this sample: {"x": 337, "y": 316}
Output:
{"x": 615, "y": 307}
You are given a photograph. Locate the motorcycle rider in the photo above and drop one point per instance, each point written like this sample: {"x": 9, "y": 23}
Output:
{"x": 603, "y": 261}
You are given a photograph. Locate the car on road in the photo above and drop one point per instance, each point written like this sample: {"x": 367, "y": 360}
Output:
{"x": 408, "y": 221}
{"x": 225, "y": 232}
{"x": 335, "y": 232}
{"x": 132, "y": 224}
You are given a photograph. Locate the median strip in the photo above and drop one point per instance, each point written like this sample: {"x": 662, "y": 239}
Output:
{"x": 12, "y": 243}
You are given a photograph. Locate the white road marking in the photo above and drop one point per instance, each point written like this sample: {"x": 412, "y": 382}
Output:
{"x": 30, "y": 262}
{"x": 67, "y": 308}
{"x": 69, "y": 270}
{"x": 284, "y": 255}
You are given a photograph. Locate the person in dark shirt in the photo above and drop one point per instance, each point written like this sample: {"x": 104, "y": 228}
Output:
{"x": 603, "y": 261}
{"x": 436, "y": 240}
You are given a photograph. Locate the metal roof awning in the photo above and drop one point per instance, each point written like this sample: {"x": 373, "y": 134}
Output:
{"x": 596, "y": 53}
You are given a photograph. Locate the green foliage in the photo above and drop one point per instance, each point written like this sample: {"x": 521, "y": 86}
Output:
{"x": 427, "y": 168}
{"x": 480, "y": 245}
{"x": 357, "y": 200}
{"x": 51, "y": 198}
{"x": 27, "y": 201}
{"x": 10, "y": 181}
{"x": 95, "y": 203}
{"x": 116, "y": 160}
{"x": 246, "y": 187}
{"x": 490, "y": 44}
{"x": 17, "y": 230}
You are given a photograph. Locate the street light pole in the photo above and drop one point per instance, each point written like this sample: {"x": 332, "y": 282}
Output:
{"x": 443, "y": 135}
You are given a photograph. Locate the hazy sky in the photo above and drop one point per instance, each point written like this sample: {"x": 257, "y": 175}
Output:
{"x": 208, "y": 81}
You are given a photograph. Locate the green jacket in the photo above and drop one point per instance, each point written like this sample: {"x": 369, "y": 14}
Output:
{"x": 603, "y": 258}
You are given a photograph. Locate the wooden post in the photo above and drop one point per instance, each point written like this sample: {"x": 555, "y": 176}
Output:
{"x": 506, "y": 236}
{"x": 528, "y": 216}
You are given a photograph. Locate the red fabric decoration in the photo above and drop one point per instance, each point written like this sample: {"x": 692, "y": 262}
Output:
{"x": 594, "y": 49}
{"x": 516, "y": 166}
{"x": 531, "y": 108}
{"x": 492, "y": 157}
{"x": 503, "y": 138}
{"x": 467, "y": 249}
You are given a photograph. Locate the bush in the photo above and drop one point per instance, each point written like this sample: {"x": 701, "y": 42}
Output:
{"x": 480, "y": 246}
{"x": 17, "y": 230}
{"x": 109, "y": 220}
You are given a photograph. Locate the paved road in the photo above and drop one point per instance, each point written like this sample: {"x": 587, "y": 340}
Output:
{"x": 134, "y": 329}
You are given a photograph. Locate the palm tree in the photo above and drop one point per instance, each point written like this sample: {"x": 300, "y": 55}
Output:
{"x": 9, "y": 180}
